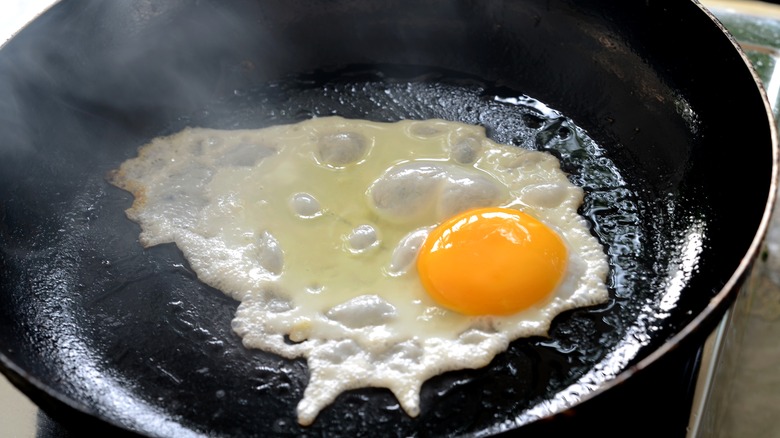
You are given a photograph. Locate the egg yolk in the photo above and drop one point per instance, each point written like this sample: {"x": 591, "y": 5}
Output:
{"x": 491, "y": 261}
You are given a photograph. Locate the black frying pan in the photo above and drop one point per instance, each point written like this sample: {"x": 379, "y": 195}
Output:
{"x": 95, "y": 328}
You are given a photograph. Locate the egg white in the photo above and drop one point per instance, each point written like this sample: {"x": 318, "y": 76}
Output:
{"x": 314, "y": 228}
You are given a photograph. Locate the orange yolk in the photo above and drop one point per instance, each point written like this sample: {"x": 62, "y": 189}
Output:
{"x": 491, "y": 261}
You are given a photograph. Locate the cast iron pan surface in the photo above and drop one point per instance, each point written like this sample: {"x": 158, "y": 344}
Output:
{"x": 678, "y": 171}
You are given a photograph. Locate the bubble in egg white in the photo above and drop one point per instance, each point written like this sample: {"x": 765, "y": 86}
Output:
{"x": 405, "y": 252}
{"x": 269, "y": 255}
{"x": 315, "y": 228}
{"x": 363, "y": 311}
{"x": 341, "y": 148}
{"x": 414, "y": 189}
{"x": 362, "y": 238}
{"x": 305, "y": 205}
{"x": 465, "y": 150}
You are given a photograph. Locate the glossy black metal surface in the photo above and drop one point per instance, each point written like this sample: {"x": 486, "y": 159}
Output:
{"x": 94, "y": 326}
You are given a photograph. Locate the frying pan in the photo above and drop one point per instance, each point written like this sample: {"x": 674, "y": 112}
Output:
{"x": 95, "y": 328}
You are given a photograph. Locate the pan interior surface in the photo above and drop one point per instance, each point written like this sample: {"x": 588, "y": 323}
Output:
{"x": 676, "y": 184}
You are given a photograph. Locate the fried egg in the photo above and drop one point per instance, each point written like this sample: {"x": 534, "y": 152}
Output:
{"x": 382, "y": 253}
